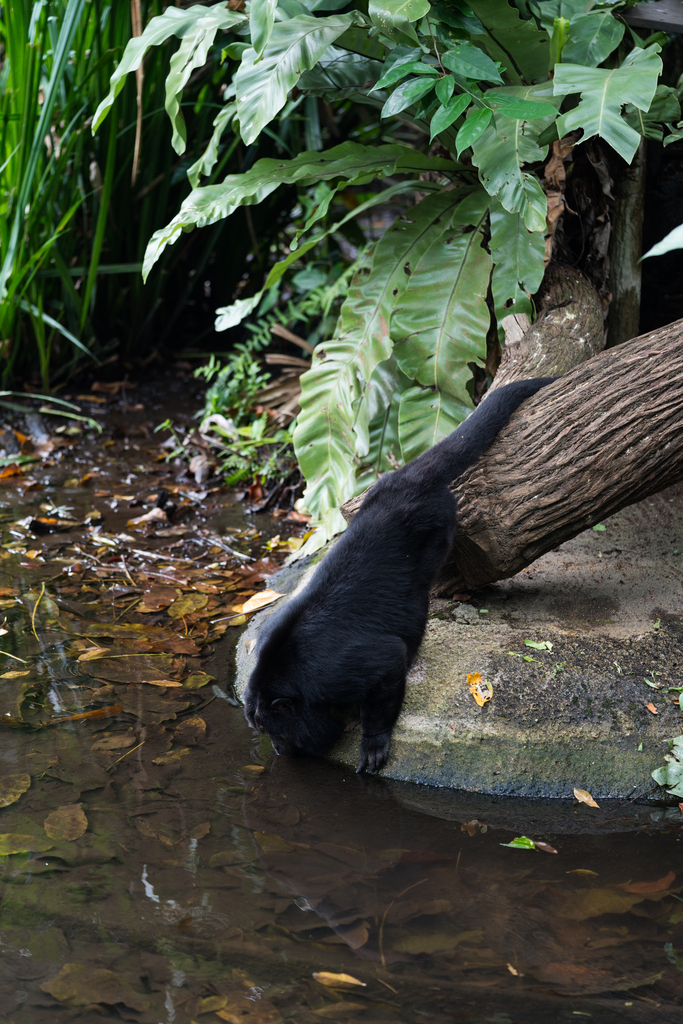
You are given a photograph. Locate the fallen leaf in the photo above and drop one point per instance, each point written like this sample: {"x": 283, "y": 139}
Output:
{"x": 481, "y": 695}
{"x": 12, "y": 787}
{"x": 171, "y": 758}
{"x": 545, "y": 847}
{"x": 81, "y": 985}
{"x": 16, "y": 673}
{"x": 93, "y": 653}
{"x": 271, "y": 843}
{"x": 584, "y": 797}
{"x": 513, "y": 970}
{"x": 66, "y": 823}
{"x": 251, "y": 644}
{"x": 260, "y": 600}
{"x": 521, "y": 843}
{"x": 187, "y": 604}
{"x": 237, "y": 620}
{"x": 539, "y": 645}
{"x": 121, "y": 742}
{"x": 337, "y": 980}
{"x": 335, "y": 1009}
{"x": 200, "y": 831}
{"x": 191, "y": 731}
{"x": 12, "y": 842}
{"x": 584, "y": 872}
{"x": 596, "y": 902}
{"x": 197, "y": 680}
{"x": 642, "y": 887}
{"x": 253, "y": 768}
{"x": 651, "y": 708}
{"x": 12, "y": 470}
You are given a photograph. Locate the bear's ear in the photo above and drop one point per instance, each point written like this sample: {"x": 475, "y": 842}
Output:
{"x": 282, "y": 704}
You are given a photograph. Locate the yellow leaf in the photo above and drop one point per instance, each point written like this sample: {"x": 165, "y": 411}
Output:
{"x": 171, "y": 758}
{"x": 336, "y": 980}
{"x": 477, "y": 690}
{"x": 260, "y": 601}
{"x": 15, "y": 673}
{"x": 596, "y": 902}
{"x": 584, "y": 872}
{"x": 12, "y": 787}
{"x": 11, "y": 842}
{"x": 187, "y": 604}
{"x": 66, "y": 823}
{"x": 237, "y": 620}
{"x": 584, "y": 797}
{"x": 92, "y": 653}
{"x": 197, "y": 680}
{"x": 513, "y": 970}
{"x": 255, "y": 768}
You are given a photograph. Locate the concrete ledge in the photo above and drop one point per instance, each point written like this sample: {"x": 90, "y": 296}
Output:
{"x": 611, "y": 605}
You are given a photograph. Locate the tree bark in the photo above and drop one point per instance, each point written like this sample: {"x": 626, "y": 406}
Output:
{"x": 604, "y": 436}
{"x": 626, "y": 248}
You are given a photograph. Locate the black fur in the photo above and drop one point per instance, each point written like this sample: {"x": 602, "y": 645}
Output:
{"x": 352, "y": 633}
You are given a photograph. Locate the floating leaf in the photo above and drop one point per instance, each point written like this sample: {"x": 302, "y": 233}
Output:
{"x": 336, "y": 980}
{"x": 12, "y": 787}
{"x": 545, "y": 847}
{"x": 175, "y": 755}
{"x": 16, "y": 673}
{"x": 521, "y": 843}
{"x": 481, "y": 693}
{"x": 584, "y": 797}
{"x": 66, "y": 823}
{"x": 197, "y": 680}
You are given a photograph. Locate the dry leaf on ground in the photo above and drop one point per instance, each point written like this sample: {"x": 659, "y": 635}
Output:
{"x": 584, "y": 797}
{"x": 481, "y": 691}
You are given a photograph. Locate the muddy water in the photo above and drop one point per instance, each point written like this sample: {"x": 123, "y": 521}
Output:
{"x": 160, "y": 865}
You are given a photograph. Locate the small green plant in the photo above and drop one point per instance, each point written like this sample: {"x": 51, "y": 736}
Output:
{"x": 233, "y": 386}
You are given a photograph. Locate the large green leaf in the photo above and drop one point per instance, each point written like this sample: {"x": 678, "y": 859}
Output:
{"x": 195, "y": 22}
{"x": 261, "y": 21}
{"x": 517, "y": 262}
{"x": 521, "y": 48}
{"x": 664, "y": 109}
{"x": 504, "y": 148}
{"x": 355, "y": 163}
{"x": 603, "y": 93}
{"x": 407, "y": 94}
{"x": 207, "y": 160}
{"x": 393, "y": 18}
{"x": 332, "y": 429}
{"x": 471, "y": 62}
{"x": 439, "y": 326}
{"x": 342, "y": 75}
{"x": 592, "y": 37}
{"x": 263, "y": 83}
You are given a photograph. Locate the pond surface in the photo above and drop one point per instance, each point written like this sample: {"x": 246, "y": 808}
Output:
{"x": 158, "y": 864}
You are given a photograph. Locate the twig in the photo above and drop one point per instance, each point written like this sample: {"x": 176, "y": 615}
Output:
{"x": 384, "y": 917}
{"x": 35, "y": 609}
{"x": 124, "y": 755}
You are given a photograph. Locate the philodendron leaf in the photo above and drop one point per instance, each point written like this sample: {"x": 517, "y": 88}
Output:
{"x": 355, "y": 163}
{"x": 518, "y": 256}
{"x": 333, "y": 426}
{"x": 504, "y": 149}
{"x": 522, "y": 49}
{"x": 194, "y": 21}
{"x": 261, "y": 21}
{"x": 592, "y": 37}
{"x": 603, "y": 93}
{"x": 471, "y": 62}
{"x": 263, "y": 83}
{"x": 393, "y": 18}
{"x": 439, "y": 326}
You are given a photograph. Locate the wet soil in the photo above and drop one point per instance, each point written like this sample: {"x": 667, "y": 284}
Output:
{"x": 158, "y": 864}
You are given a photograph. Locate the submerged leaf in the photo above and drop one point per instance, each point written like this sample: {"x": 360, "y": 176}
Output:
{"x": 66, "y": 823}
{"x": 336, "y": 980}
{"x": 12, "y": 842}
{"x": 12, "y": 787}
{"x": 82, "y": 985}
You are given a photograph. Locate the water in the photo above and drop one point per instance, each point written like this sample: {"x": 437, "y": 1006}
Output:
{"x": 170, "y": 869}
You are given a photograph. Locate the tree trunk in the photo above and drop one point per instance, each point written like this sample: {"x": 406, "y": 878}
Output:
{"x": 626, "y": 248}
{"x": 604, "y": 436}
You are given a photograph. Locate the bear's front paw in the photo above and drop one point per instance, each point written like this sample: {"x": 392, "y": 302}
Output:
{"x": 374, "y": 751}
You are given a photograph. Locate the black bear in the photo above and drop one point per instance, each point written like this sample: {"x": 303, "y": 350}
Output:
{"x": 349, "y": 637}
